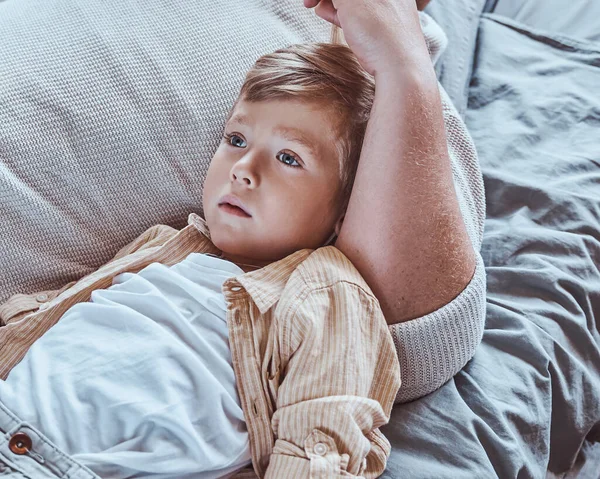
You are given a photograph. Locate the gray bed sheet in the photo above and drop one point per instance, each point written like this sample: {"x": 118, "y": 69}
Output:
{"x": 528, "y": 404}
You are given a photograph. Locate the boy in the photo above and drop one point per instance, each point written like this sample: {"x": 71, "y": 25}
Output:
{"x": 140, "y": 378}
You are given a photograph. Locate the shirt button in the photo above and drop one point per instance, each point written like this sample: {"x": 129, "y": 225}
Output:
{"x": 41, "y": 297}
{"x": 320, "y": 448}
{"x": 20, "y": 443}
{"x": 44, "y": 305}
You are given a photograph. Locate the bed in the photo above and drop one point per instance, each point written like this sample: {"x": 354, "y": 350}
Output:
{"x": 528, "y": 404}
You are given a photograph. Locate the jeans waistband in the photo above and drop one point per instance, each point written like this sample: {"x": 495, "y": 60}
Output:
{"x": 43, "y": 461}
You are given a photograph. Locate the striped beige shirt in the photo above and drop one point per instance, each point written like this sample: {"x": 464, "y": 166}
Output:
{"x": 315, "y": 364}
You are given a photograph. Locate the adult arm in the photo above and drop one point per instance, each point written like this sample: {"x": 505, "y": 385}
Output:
{"x": 432, "y": 348}
{"x": 403, "y": 229}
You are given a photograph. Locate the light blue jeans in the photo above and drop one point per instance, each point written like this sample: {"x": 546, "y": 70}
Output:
{"x": 42, "y": 461}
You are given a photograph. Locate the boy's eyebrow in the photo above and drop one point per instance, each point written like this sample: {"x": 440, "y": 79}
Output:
{"x": 289, "y": 133}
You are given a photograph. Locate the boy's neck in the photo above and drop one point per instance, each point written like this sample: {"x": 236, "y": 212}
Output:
{"x": 247, "y": 264}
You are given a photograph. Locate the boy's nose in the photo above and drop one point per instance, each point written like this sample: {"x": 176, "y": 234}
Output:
{"x": 242, "y": 179}
{"x": 242, "y": 173}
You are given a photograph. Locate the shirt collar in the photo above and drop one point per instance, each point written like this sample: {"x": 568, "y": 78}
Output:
{"x": 199, "y": 223}
{"x": 264, "y": 285}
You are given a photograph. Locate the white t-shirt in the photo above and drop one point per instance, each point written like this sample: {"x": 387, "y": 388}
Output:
{"x": 138, "y": 382}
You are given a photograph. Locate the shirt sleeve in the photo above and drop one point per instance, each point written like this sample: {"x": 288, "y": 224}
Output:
{"x": 154, "y": 236}
{"x": 19, "y": 305}
{"x": 340, "y": 377}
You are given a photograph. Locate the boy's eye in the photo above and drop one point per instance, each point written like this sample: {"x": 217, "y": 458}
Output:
{"x": 234, "y": 137}
{"x": 287, "y": 158}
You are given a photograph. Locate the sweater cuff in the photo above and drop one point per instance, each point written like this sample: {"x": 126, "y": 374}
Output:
{"x": 433, "y": 348}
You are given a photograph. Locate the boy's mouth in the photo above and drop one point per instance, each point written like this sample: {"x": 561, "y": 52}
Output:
{"x": 234, "y": 210}
{"x": 233, "y": 205}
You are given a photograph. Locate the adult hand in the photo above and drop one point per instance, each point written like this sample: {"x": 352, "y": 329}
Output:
{"x": 381, "y": 33}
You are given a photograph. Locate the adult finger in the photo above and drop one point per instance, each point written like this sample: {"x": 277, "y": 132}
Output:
{"x": 310, "y": 3}
{"x": 327, "y": 11}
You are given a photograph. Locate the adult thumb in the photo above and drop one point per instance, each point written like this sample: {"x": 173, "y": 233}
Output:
{"x": 327, "y": 11}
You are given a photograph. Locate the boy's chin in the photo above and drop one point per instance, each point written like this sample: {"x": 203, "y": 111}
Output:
{"x": 230, "y": 246}
{"x": 237, "y": 250}
{"x": 265, "y": 249}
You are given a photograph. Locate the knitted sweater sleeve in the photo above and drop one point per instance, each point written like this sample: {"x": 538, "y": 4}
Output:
{"x": 433, "y": 348}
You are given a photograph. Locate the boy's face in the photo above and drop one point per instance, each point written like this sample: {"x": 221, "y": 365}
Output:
{"x": 289, "y": 189}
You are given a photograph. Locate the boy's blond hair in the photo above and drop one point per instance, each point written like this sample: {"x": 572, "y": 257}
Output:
{"x": 324, "y": 73}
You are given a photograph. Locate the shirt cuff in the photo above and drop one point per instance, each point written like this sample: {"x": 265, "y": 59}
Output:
{"x": 323, "y": 460}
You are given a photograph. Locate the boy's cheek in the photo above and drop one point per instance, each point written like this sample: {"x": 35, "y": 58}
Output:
{"x": 210, "y": 186}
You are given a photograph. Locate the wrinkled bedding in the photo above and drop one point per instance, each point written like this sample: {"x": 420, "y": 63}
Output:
{"x": 577, "y": 19}
{"x": 528, "y": 404}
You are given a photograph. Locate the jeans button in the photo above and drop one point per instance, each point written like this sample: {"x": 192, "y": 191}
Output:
{"x": 20, "y": 443}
